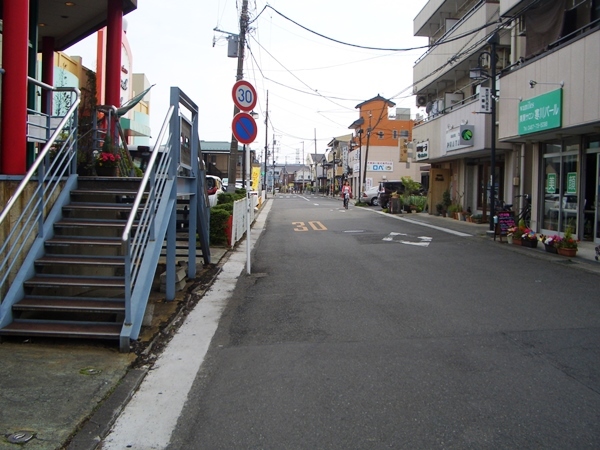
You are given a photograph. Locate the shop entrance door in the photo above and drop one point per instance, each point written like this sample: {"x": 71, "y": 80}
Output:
{"x": 591, "y": 205}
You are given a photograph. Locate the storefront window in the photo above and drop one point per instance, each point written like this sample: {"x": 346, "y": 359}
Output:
{"x": 591, "y": 191}
{"x": 552, "y": 177}
{"x": 570, "y": 187}
{"x": 561, "y": 186}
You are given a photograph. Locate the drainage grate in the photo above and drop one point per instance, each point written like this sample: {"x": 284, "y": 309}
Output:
{"x": 20, "y": 437}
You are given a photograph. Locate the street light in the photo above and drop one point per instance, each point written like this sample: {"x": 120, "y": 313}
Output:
{"x": 480, "y": 74}
{"x": 323, "y": 174}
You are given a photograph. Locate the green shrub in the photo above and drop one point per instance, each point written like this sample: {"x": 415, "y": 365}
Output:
{"x": 230, "y": 197}
{"x": 419, "y": 201}
{"x": 224, "y": 206}
{"x": 219, "y": 217}
{"x": 225, "y": 197}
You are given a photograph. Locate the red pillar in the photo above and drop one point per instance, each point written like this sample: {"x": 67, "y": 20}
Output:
{"x": 114, "y": 35}
{"x": 47, "y": 71}
{"x": 15, "y": 46}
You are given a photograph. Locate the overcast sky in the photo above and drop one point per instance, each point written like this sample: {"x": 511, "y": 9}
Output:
{"x": 313, "y": 83}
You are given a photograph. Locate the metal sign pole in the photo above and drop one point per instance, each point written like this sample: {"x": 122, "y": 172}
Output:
{"x": 248, "y": 206}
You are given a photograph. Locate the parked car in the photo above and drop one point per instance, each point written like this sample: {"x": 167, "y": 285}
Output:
{"x": 238, "y": 183}
{"x": 386, "y": 189}
{"x": 214, "y": 187}
{"x": 370, "y": 196}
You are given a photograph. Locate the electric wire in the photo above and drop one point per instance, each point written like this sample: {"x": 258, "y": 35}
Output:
{"x": 356, "y": 45}
{"x": 464, "y": 51}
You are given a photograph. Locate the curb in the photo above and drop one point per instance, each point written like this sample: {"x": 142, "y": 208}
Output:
{"x": 105, "y": 416}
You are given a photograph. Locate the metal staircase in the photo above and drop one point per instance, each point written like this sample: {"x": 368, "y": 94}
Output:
{"x": 79, "y": 285}
{"x": 81, "y": 253}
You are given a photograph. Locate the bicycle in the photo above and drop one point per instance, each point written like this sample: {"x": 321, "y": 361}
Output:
{"x": 346, "y": 200}
{"x": 525, "y": 213}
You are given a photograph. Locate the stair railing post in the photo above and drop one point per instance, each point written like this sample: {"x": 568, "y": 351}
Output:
{"x": 127, "y": 253}
{"x": 152, "y": 201}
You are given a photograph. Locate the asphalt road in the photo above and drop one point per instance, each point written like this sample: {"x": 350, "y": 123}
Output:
{"x": 359, "y": 331}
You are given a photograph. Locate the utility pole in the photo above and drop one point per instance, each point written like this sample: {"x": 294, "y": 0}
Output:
{"x": 233, "y": 151}
{"x": 266, "y": 144}
{"x": 364, "y": 180}
{"x": 303, "y": 168}
{"x": 316, "y": 166}
{"x": 273, "y": 150}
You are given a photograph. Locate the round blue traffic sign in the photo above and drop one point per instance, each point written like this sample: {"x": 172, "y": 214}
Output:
{"x": 244, "y": 128}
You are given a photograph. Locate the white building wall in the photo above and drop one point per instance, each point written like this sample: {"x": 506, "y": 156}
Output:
{"x": 578, "y": 65}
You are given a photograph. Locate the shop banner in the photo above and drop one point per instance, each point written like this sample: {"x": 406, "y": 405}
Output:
{"x": 540, "y": 113}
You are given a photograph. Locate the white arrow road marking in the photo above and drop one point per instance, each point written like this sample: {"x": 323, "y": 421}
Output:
{"x": 424, "y": 241}
{"x": 390, "y": 237}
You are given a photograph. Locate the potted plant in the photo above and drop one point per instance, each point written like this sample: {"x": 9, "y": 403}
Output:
{"x": 446, "y": 200}
{"x": 439, "y": 208}
{"x": 411, "y": 188}
{"x": 477, "y": 218}
{"x": 454, "y": 210}
{"x": 550, "y": 242}
{"x": 567, "y": 245}
{"x": 518, "y": 232}
{"x": 510, "y": 233}
{"x": 395, "y": 203}
{"x": 529, "y": 238}
{"x": 106, "y": 162}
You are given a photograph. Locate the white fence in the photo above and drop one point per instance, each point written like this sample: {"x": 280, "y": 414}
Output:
{"x": 240, "y": 212}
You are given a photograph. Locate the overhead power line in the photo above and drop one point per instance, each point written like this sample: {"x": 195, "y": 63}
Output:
{"x": 364, "y": 46}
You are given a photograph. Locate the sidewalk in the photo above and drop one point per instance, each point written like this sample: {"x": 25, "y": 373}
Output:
{"x": 49, "y": 389}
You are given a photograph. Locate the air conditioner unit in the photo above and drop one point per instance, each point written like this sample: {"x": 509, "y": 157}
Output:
{"x": 451, "y": 99}
{"x": 421, "y": 100}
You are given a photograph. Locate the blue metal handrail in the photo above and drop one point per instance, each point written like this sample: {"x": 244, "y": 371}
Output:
{"x": 55, "y": 162}
{"x": 134, "y": 245}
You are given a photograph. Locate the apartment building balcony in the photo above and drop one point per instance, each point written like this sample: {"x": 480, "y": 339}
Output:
{"x": 444, "y": 66}
{"x": 437, "y": 16}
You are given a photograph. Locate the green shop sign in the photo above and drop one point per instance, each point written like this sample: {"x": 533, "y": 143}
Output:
{"x": 551, "y": 187}
{"x": 572, "y": 183}
{"x": 541, "y": 113}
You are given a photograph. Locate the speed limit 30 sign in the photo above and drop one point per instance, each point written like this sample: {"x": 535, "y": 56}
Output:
{"x": 244, "y": 95}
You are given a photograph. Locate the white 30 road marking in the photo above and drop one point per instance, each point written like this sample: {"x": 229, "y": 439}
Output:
{"x": 424, "y": 241}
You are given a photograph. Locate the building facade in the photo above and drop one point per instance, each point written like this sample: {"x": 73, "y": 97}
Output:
{"x": 379, "y": 147}
{"x": 58, "y": 27}
{"x": 554, "y": 128}
{"x": 541, "y": 84}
